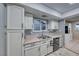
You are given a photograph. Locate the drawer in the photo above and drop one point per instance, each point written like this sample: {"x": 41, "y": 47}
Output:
{"x": 32, "y": 44}
{"x": 49, "y": 49}
{"x": 37, "y": 43}
{"x": 32, "y": 51}
{"x": 42, "y": 42}
{"x": 28, "y": 45}
{"x": 43, "y": 49}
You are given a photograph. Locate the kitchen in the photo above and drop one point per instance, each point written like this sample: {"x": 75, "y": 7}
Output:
{"x": 31, "y": 30}
{"x": 41, "y": 42}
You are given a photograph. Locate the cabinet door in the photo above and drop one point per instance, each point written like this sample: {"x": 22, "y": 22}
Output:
{"x": 14, "y": 43}
{"x": 49, "y": 48}
{"x": 15, "y": 17}
{"x": 53, "y": 25}
{"x": 28, "y": 21}
{"x": 2, "y": 30}
{"x": 56, "y": 25}
{"x": 43, "y": 49}
{"x": 2, "y": 16}
{"x": 2, "y": 42}
{"x": 34, "y": 51}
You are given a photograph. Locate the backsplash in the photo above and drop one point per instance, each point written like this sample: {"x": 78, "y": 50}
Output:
{"x": 27, "y": 31}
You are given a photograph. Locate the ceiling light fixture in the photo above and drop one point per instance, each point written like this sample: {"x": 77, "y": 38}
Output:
{"x": 44, "y": 16}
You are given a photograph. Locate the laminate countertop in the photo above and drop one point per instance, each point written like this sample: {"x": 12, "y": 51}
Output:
{"x": 31, "y": 39}
{"x": 34, "y": 38}
{"x": 54, "y": 35}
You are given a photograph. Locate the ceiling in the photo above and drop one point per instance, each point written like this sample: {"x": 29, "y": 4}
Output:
{"x": 73, "y": 19}
{"x": 62, "y": 7}
{"x": 37, "y": 13}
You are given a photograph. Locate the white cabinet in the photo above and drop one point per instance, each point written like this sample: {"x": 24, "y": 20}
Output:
{"x": 49, "y": 48}
{"x": 56, "y": 25}
{"x": 2, "y": 42}
{"x": 15, "y": 17}
{"x": 14, "y": 25}
{"x": 14, "y": 42}
{"x": 32, "y": 51}
{"x": 2, "y": 30}
{"x": 52, "y": 24}
{"x": 43, "y": 49}
{"x": 28, "y": 21}
{"x": 2, "y": 16}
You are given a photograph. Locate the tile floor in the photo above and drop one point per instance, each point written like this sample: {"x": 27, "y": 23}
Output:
{"x": 73, "y": 45}
{"x": 63, "y": 52}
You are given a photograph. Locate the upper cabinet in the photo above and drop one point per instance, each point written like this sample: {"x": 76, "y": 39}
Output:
{"x": 52, "y": 25}
{"x": 28, "y": 21}
{"x": 15, "y": 17}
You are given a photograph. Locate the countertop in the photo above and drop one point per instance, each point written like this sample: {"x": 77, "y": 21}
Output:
{"x": 34, "y": 38}
{"x": 31, "y": 39}
{"x": 54, "y": 35}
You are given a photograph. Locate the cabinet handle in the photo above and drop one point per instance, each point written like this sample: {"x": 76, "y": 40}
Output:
{"x": 47, "y": 45}
{"x": 22, "y": 35}
{"x": 22, "y": 26}
{"x": 5, "y": 26}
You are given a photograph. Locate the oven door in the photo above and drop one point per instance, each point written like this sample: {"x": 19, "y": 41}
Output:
{"x": 55, "y": 44}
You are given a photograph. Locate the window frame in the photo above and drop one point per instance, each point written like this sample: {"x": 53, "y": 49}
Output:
{"x": 41, "y": 20}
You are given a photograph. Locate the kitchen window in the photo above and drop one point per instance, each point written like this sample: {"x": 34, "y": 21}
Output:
{"x": 39, "y": 25}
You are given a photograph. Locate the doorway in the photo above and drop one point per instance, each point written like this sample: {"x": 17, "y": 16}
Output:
{"x": 72, "y": 37}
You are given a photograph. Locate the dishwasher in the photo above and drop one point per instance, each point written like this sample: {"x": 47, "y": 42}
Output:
{"x": 55, "y": 43}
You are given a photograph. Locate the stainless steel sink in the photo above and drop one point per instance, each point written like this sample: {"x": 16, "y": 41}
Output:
{"x": 44, "y": 37}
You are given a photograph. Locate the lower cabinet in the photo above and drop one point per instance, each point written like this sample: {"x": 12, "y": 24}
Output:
{"x": 49, "y": 48}
{"x": 33, "y": 51}
{"x": 2, "y": 42}
{"x": 40, "y": 50}
{"x": 14, "y": 43}
{"x": 43, "y": 49}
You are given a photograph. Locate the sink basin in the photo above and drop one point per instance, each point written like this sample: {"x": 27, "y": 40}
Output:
{"x": 44, "y": 37}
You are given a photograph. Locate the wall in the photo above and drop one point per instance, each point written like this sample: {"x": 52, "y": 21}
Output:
{"x": 61, "y": 26}
{"x": 2, "y": 30}
{"x": 75, "y": 32}
{"x": 68, "y": 36}
{"x": 62, "y": 29}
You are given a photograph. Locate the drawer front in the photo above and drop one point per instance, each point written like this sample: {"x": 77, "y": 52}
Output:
{"x": 34, "y": 51}
{"x": 28, "y": 45}
{"x": 32, "y": 44}
{"x": 43, "y": 49}
{"x": 43, "y": 42}
{"x": 50, "y": 49}
{"x": 37, "y": 43}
